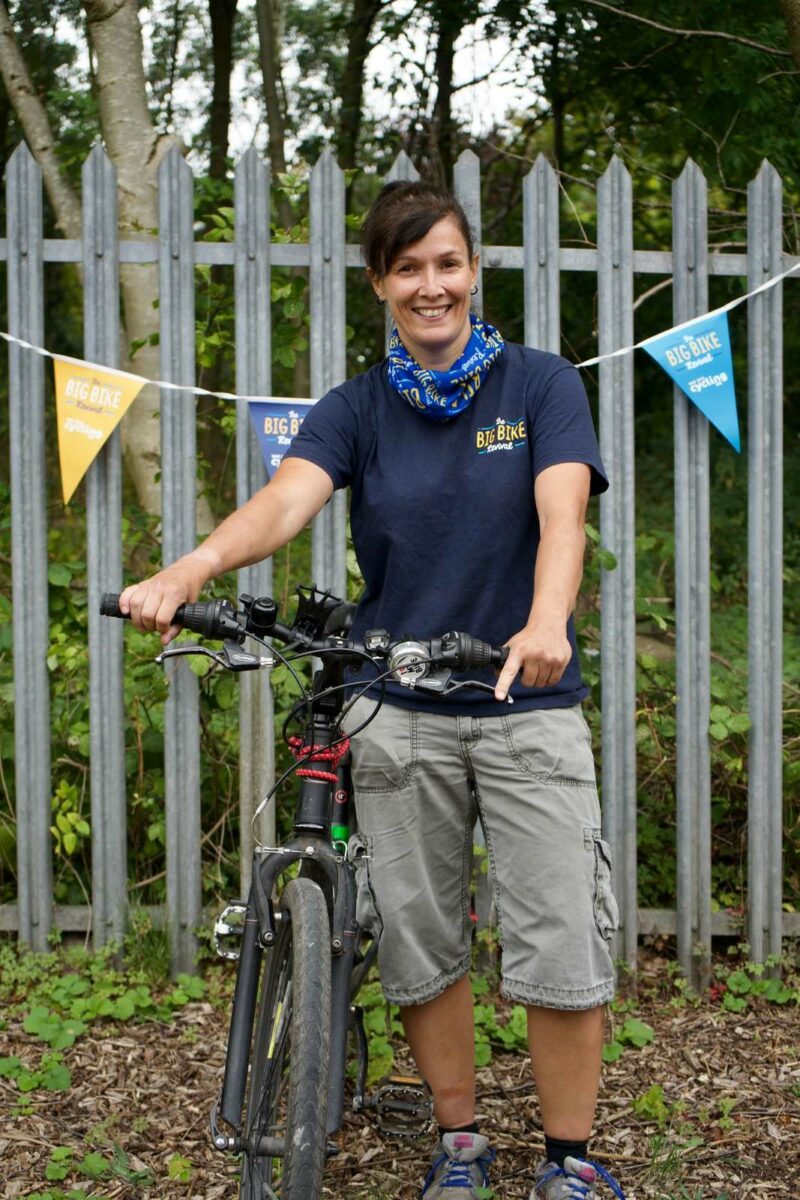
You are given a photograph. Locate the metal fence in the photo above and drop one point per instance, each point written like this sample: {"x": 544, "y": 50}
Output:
{"x": 327, "y": 258}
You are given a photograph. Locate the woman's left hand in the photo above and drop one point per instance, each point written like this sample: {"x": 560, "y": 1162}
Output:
{"x": 540, "y": 652}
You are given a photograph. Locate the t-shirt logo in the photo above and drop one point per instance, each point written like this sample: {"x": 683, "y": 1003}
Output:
{"x": 503, "y": 435}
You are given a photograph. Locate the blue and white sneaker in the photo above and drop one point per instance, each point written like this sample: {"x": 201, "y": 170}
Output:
{"x": 460, "y": 1166}
{"x": 576, "y": 1180}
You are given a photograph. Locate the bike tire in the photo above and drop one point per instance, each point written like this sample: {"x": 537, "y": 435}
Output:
{"x": 288, "y": 1095}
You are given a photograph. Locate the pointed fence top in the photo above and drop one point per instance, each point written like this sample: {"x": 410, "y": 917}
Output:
{"x": 543, "y": 166}
{"x": 403, "y": 169}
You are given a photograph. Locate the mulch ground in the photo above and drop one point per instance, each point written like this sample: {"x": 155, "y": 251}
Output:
{"x": 729, "y": 1129}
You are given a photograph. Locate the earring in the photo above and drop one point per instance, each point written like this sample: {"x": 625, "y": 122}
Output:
{"x": 474, "y": 290}
{"x": 380, "y": 300}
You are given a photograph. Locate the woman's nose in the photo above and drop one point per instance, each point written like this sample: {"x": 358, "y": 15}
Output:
{"x": 430, "y": 283}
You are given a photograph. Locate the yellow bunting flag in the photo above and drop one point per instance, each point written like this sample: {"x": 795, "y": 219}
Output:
{"x": 90, "y": 403}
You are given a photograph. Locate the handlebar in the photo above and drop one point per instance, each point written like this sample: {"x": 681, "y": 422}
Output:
{"x": 406, "y": 656}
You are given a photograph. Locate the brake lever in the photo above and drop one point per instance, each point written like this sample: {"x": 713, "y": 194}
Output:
{"x": 473, "y": 683}
{"x": 231, "y": 656}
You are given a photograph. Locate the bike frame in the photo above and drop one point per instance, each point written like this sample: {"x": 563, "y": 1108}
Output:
{"x": 323, "y": 862}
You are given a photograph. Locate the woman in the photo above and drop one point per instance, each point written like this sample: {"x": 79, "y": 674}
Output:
{"x": 470, "y": 463}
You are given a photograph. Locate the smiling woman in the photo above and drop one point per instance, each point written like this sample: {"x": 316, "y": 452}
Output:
{"x": 451, "y": 535}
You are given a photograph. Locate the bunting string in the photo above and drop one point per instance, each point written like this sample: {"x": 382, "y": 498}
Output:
{"x": 91, "y": 398}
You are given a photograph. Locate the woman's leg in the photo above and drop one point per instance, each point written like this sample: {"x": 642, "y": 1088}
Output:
{"x": 566, "y": 1050}
{"x": 441, "y": 1037}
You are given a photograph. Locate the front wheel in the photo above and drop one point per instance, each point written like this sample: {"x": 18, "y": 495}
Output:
{"x": 285, "y": 1125}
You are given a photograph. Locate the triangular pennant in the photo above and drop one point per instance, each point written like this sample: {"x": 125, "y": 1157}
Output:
{"x": 276, "y": 422}
{"x": 698, "y": 359}
{"x": 90, "y": 403}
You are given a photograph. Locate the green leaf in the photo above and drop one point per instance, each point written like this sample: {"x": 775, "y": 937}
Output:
{"x": 57, "y": 1078}
{"x": 9, "y": 1067}
{"x": 94, "y": 1165}
{"x": 734, "y": 1003}
{"x": 636, "y": 1033}
{"x": 27, "y": 1081}
{"x": 55, "y": 1171}
{"x": 612, "y": 1051}
{"x": 179, "y": 1168}
{"x": 59, "y": 575}
{"x": 381, "y": 1058}
{"x": 483, "y": 1051}
{"x": 719, "y": 732}
{"x": 739, "y": 982}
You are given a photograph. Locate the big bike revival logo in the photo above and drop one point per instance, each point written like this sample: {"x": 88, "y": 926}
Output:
{"x": 502, "y": 435}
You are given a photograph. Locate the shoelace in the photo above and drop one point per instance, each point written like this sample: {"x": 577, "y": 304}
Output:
{"x": 458, "y": 1173}
{"x": 579, "y": 1187}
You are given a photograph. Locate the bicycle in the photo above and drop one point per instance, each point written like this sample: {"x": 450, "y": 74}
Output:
{"x": 290, "y": 1034}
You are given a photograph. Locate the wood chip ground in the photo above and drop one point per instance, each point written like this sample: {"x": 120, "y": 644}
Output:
{"x": 731, "y": 1083}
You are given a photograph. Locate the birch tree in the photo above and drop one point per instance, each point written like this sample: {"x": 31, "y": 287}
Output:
{"x": 136, "y": 149}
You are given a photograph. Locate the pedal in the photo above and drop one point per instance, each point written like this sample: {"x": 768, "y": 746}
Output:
{"x": 403, "y": 1106}
{"x": 228, "y": 930}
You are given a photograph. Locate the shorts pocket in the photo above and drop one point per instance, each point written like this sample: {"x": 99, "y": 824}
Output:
{"x": 385, "y": 753}
{"x": 359, "y": 852}
{"x": 551, "y": 745}
{"x": 606, "y": 912}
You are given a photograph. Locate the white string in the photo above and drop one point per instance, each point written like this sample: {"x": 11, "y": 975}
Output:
{"x": 714, "y": 312}
{"x": 199, "y": 391}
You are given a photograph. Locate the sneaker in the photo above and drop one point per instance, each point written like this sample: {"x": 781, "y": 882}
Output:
{"x": 574, "y": 1181}
{"x": 460, "y": 1166}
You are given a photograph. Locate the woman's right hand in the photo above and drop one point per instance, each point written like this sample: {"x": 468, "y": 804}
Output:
{"x": 153, "y": 602}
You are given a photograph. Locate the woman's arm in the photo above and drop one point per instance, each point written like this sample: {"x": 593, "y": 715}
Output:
{"x": 295, "y": 494}
{"x": 541, "y": 651}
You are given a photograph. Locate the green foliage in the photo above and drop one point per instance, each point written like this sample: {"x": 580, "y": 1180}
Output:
{"x": 633, "y": 1032}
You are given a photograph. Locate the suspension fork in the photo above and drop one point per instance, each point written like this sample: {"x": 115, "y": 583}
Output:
{"x": 242, "y": 1018}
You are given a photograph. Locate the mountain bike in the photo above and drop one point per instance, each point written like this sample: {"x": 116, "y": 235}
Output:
{"x": 301, "y": 955}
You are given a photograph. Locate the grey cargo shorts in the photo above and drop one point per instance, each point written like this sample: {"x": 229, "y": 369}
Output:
{"x": 420, "y": 781}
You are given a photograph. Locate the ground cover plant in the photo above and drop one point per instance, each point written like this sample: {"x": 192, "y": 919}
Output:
{"x": 107, "y": 1076}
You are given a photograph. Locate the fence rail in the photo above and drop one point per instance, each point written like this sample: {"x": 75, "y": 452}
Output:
{"x": 327, "y": 257}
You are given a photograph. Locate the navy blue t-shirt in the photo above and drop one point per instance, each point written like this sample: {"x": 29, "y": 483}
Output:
{"x": 443, "y": 517}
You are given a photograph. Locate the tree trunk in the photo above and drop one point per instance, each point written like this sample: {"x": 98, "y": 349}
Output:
{"x": 136, "y": 149}
{"x": 33, "y": 118}
{"x": 223, "y": 16}
{"x": 448, "y": 26}
{"x": 791, "y": 15}
{"x": 359, "y": 28}
{"x": 270, "y": 19}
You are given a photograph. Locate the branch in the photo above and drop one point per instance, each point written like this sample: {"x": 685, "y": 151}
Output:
{"x": 686, "y": 33}
{"x": 35, "y": 123}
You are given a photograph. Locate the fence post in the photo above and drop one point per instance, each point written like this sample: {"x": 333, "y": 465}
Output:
{"x": 692, "y": 595}
{"x": 29, "y": 550}
{"x": 540, "y": 277}
{"x": 467, "y": 187}
{"x": 765, "y": 567}
{"x": 104, "y": 563}
{"x": 328, "y": 366}
{"x": 178, "y": 499}
{"x": 617, "y": 534}
{"x": 254, "y": 378}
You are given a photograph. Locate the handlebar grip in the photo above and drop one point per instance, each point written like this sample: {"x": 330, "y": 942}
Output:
{"x": 499, "y": 657}
{"x": 109, "y": 606}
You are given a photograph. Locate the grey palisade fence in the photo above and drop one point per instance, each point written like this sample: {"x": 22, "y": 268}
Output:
{"x": 328, "y": 258}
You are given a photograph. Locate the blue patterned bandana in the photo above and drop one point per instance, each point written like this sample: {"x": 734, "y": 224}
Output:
{"x": 441, "y": 395}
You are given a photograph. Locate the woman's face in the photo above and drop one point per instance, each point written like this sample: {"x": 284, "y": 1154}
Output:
{"x": 427, "y": 288}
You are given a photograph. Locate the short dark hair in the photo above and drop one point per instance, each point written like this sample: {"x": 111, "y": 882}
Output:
{"x": 404, "y": 213}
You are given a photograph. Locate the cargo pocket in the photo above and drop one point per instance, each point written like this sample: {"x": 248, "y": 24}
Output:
{"x": 359, "y": 852}
{"x": 606, "y": 913}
